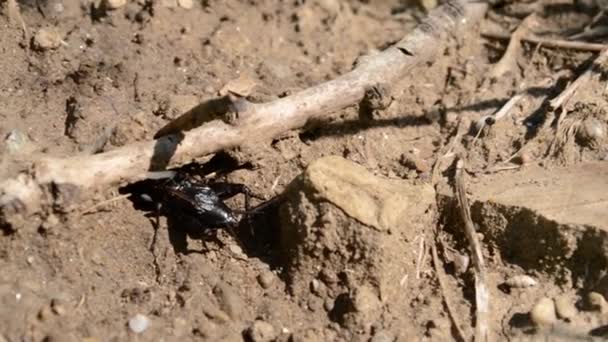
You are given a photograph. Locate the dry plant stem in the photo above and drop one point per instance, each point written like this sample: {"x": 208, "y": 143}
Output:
{"x": 102, "y": 203}
{"x": 508, "y": 61}
{"x": 565, "y": 95}
{"x": 448, "y": 302}
{"x": 482, "y": 295}
{"x": 448, "y": 149}
{"x": 500, "y": 114}
{"x": 550, "y": 43}
{"x": 248, "y": 123}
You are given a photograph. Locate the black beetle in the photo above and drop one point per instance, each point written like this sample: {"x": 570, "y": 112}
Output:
{"x": 205, "y": 201}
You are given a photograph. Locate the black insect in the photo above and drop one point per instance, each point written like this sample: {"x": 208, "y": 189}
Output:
{"x": 205, "y": 201}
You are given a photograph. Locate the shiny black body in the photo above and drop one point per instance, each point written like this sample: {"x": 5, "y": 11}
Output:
{"x": 205, "y": 202}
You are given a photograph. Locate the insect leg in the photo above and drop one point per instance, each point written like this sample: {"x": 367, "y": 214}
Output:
{"x": 227, "y": 190}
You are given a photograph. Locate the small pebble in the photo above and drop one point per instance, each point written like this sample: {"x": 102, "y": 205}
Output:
{"x": 591, "y": 131}
{"x": 139, "y": 323}
{"x": 328, "y": 304}
{"x": 209, "y": 89}
{"x": 413, "y": 161}
{"x": 114, "y": 4}
{"x": 521, "y": 281}
{"x": 266, "y": 279}
{"x": 47, "y": 38}
{"x": 236, "y": 250}
{"x": 525, "y": 158}
{"x": 187, "y": 4}
{"x": 261, "y": 331}
{"x": 565, "y": 308}
{"x": 543, "y": 313}
{"x": 461, "y": 263}
{"x": 597, "y": 301}
{"x": 45, "y": 313}
{"x": 16, "y": 141}
{"x": 58, "y": 307}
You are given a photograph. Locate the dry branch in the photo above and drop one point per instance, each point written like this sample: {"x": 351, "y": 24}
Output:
{"x": 244, "y": 122}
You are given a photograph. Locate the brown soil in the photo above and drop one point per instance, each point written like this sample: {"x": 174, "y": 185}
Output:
{"x": 77, "y": 72}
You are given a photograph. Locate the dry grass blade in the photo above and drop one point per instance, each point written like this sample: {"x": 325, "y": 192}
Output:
{"x": 96, "y": 206}
{"x": 482, "y": 295}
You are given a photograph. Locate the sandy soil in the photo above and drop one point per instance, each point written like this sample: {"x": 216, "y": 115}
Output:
{"x": 310, "y": 267}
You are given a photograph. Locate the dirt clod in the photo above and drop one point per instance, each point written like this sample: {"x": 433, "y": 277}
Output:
{"x": 58, "y": 306}
{"x": 543, "y": 312}
{"x": 261, "y": 331}
{"x": 565, "y": 307}
{"x": 521, "y": 281}
{"x": 266, "y": 279}
{"x": 47, "y": 38}
{"x": 229, "y": 300}
{"x": 340, "y": 217}
{"x": 114, "y": 4}
{"x": 597, "y": 302}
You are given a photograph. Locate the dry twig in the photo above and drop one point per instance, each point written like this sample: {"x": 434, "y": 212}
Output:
{"x": 565, "y": 95}
{"x": 447, "y": 151}
{"x": 550, "y": 43}
{"x": 488, "y": 120}
{"x": 482, "y": 294}
{"x": 243, "y": 123}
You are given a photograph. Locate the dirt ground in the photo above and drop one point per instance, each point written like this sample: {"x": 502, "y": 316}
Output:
{"x": 87, "y": 76}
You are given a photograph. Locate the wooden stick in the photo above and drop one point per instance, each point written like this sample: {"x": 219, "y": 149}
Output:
{"x": 551, "y": 43}
{"x": 245, "y": 122}
{"x": 565, "y": 95}
{"x": 482, "y": 294}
